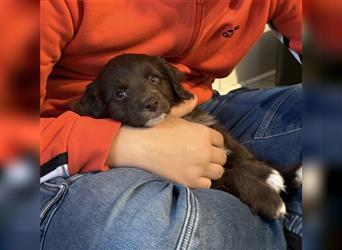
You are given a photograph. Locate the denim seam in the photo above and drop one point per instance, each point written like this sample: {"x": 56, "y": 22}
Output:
{"x": 51, "y": 185}
{"x": 298, "y": 229}
{"x": 51, "y": 202}
{"x": 219, "y": 107}
{"x": 195, "y": 225}
{"x": 75, "y": 177}
{"x": 48, "y": 191}
{"x": 280, "y": 134}
{"x": 194, "y": 220}
{"x": 293, "y": 222}
{"x": 51, "y": 216}
{"x": 270, "y": 114}
{"x": 271, "y": 136}
{"x": 190, "y": 222}
{"x": 60, "y": 195}
{"x": 211, "y": 106}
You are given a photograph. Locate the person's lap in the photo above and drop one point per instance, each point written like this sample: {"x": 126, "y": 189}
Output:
{"x": 128, "y": 208}
{"x": 269, "y": 123}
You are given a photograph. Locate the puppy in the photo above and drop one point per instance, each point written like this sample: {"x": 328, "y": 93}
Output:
{"x": 139, "y": 90}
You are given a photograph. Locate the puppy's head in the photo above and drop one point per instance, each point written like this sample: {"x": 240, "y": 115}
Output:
{"x": 136, "y": 89}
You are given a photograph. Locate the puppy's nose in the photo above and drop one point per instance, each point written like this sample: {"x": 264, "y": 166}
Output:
{"x": 151, "y": 104}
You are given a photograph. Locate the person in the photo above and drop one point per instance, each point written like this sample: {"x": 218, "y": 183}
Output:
{"x": 107, "y": 186}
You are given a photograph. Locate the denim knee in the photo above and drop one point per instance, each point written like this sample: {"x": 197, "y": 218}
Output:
{"x": 130, "y": 208}
{"x": 118, "y": 209}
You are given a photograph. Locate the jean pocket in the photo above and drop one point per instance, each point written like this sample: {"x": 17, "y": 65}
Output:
{"x": 283, "y": 116}
{"x": 51, "y": 197}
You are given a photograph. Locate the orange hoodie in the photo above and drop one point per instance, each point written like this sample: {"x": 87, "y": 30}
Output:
{"x": 204, "y": 39}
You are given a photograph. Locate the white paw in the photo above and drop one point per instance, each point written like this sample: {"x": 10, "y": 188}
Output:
{"x": 299, "y": 175}
{"x": 276, "y": 181}
{"x": 281, "y": 211}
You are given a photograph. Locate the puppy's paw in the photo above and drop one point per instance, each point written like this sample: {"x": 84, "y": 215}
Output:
{"x": 293, "y": 177}
{"x": 276, "y": 181}
{"x": 269, "y": 205}
{"x": 264, "y": 199}
{"x": 299, "y": 176}
{"x": 281, "y": 212}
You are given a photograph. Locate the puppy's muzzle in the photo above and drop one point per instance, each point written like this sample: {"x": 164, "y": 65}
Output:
{"x": 151, "y": 104}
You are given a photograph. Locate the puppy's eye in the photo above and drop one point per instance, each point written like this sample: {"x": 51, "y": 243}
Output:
{"x": 121, "y": 94}
{"x": 154, "y": 79}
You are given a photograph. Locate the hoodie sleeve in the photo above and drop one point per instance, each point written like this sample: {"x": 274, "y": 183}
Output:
{"x": 83, "y": 140}
{"x": 80, "y": 144}
{"x": 286, "y": 22}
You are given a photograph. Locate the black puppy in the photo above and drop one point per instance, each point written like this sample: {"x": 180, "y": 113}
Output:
{"x": 139, "y": 90}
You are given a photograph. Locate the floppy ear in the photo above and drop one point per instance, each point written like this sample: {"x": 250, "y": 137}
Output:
{"x": 91, "y": 103}
{"x": 175, "y": 77}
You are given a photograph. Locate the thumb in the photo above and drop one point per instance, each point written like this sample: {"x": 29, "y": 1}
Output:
{"x": 184, "y": 108}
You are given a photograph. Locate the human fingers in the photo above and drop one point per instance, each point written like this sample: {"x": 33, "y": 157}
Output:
{"x": 202, "y": 182}
{"x": 216, "y": 138}
{"x": 214, "y": 171}
{"x": 218, "y": 156}
{"x": 184, "y": 108}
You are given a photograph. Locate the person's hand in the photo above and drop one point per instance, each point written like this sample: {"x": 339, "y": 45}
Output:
{"x": 184, "y": 152}
{"x": 184, "y": 108}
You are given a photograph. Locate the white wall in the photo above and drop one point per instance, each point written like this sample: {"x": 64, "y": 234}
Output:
{"x": 258, "y": 66}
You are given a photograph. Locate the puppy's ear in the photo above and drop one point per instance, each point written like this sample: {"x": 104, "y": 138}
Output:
{"x": 91, "y": 103}
{"x": 175, "y": 77}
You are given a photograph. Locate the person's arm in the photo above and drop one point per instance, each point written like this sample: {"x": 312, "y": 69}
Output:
{"x": 286, "y": 22}
{"x": 84, "y": 140}
{"x": 184, "y": 152}
{"x": 79, "y": 144}
{"x": 178, "y": 150}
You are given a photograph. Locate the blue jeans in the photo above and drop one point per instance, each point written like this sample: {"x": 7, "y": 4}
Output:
{"x": 127, "y": 208}
{"x": 269, "y": 123}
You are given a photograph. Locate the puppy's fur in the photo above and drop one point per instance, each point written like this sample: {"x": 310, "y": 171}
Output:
{"x": 139, "y": 90}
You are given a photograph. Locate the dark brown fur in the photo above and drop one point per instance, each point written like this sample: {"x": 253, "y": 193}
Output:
{"x": 151, "y": 86}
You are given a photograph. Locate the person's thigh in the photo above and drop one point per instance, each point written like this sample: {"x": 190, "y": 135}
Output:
{"x": 267, "y": 121}
{"x": 127, "y": 208}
